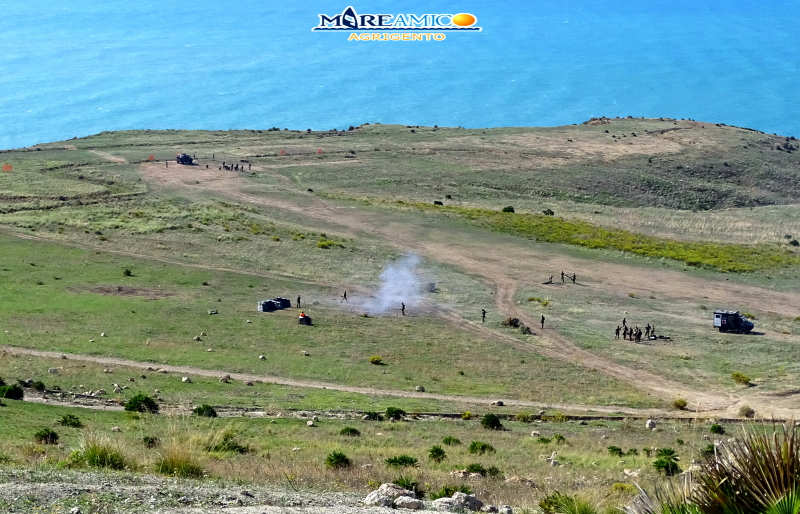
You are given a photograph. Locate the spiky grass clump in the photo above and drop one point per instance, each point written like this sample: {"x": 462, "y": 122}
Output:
{"x": 401, "y": 461}
{"x": 479, "y": 447}
{"x": 70, "y": 420}
{"x": 205, "y": 410}
{"x": 179, "y": 461}
{"x": 99, "y": 452}
{"x": 46, "y": 436}
{"x": 337, "y": 460}
{"x": 448, "y": 490}
{"x": 409, "y": 484}
{"x": 437, "y": 454}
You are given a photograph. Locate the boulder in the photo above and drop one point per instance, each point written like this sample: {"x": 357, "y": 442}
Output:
{"x": 489, "y": 508}
{"x": 505, "y": 509}
{"x": 186, "y": 380}
{"x": 407, "y": 502}
{"x": 248, "y": 383}
{"x": 106, "y": 370}
{"x": 309, "y": 423}
{"x": 115, "y": 429}
{"x": 203, "y": 333}
{"x": 395, "y": 491}
{"x": 498, "y": 403}
{"x": 261, "y": 357}
{"x": 467, "y": 501}
{"x": 420, "y": 389}
{"x": 445, "y": 504}
{"x": 376, "y": 499}
{"x": 650, "y": 424}
{"x": 535, "y": 433}
{"x": 53, "y": 371}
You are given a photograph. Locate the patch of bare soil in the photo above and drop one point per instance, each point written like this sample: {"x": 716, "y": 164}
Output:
{"x": 152, "y": 293}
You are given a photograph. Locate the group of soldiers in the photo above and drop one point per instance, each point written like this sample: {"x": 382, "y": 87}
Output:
{"x": 634, "y": 333}
{"x": 574, "y": 277}
{"x": 235, "y": 167}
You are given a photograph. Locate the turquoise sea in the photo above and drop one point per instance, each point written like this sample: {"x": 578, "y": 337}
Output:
{"x": 77, "y": 67}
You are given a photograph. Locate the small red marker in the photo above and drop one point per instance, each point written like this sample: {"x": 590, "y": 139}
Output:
{"x": 319, "y": 151}
{"x": 151, "y": 157}
{"x": 283, "y": 152}
{"x": 6, "y": 167}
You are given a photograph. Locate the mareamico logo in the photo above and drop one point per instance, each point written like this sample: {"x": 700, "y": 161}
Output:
{"x": 350, "y": 20}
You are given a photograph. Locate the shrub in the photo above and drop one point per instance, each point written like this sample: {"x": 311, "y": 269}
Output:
{"x": 616, "y": 451}
{"x": 491, "y": 421}
{"x": 350, "y": 432}
{"x": 740, "y": 378}
{"x": 141, "y": 403}
{"x": 38, "y": 386}
{"x": 46, "y": 436}
{"x": 179, "y": 462}
{"x": 557, "y": 417}
{"x": 205, "y": 410}
{"x": 127, "y": 272}
{"x": 466, "y": 415}
{"x": 401, "y": 461}
{"x": 328, "y": 243}
{"x": 749, "y": 315}
{"x": 151, "y": 441}
{"x": 337, "y": 460}
{"x": 524, "y": 417}
{"x": 410, "y": 484}
{"x": 718, "y": 429}
{"x": 544, "y": 440}
{"x": 508, "y": 208}
{"x": 634, "y": 451}
{"x": 70, "y": 420}
{"x": 437, "y": 454}
{"x": 548, "y": 212}
{"x": 12, "y": 392}
{"x": 746, "y": 411}
{"x": 476, "y": 468}
{"x": 394, "y": 413}
{"x": 555, "y": 502}
{"x": 480, "y": 447}
{"x": 372, "y": 415}
{"x": 680, "y": 404}
{"x": 667, "y": 462}
{"x": 559, "y": 438}
{"x": 494, "y": 472}
{"x": 2, "y": 382}
{"x": 623, "y": 488}
{"x": 451, "y": 441}
{"x": 376, "y": 360}
{"x": 708, "y": 451}
{"x": 448, "y": 490}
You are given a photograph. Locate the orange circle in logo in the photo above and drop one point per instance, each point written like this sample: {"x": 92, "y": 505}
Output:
{"x": 464, "y": 20}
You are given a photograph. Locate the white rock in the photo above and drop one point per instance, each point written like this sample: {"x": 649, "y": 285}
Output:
{"x": 106, "y": 370}
{"x": 115, "y": 429}
{"x": 186, "y": 380}
{"x": 103, "y": 334}
{"x": 445, "y": 504}
{"x": 249, "y": 321}
{"x": 467, "y": 501}
{"x": 209, "y": 350}
{"x": 117, "y": 389}
{"x": 91, "y": 340}
{"x": 407, "y": 502}
{"x": 203, "y": 334}
{"x": 650, "y": 424}
{"x": 489, "y": 508}
{"x": 535, "y": 433}
{"x": 395, "y": 491}
{"x": 420, "y": 389}
{"x": 309, "y": 423}
{"x": 376, "y": 499}
{"x": 261, "y": 357}
{"x": 505, "y": 509}
{"x": 554, "y": 463}
{"x": 295, "y": 449}
{"x": 498, "y": 403}
{"x": 53, "y": 371}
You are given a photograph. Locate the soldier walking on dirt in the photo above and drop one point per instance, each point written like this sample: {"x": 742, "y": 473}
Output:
{"x": 653, "y": 331}
{"x": 574, "y": 277}
{"x": 625, "y": 322}
{"x": 344, "y": 298}
{"x": 562, "y": 276}
{"x": 298, "y": 301}
{"x": 403, "y": 308}
{"x": 543, "y": 321}
{"x": 647, "y": 330}
{"x": 483, "y": 315}
{"x": 616, "y": 333}
{"x": 625, "y": 334}
{"x": 249, "y": 166}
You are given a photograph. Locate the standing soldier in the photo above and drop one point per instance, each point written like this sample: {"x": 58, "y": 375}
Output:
{"x": 403, "y": 308}
{"x": 483, "y": 315}
{"x": 298, "y": 301}
{"x": 574, "y": 277}
{"x": 625, "y": 322}
{"x": 625, "y": 334}
{"x": 344, "y": 298}
{"x": 616, "y": 333}
{"x": 562, "y": 276}
{"x": 542, "y": 320}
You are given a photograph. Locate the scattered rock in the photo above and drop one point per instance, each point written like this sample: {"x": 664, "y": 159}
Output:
{"x": 554, "y": 463}
{"x": 103, "y": 334}
{"x": 459, "y": 502}
{"x": 310, "y": 423}
{"x": 489, "y": 508}
{"x": 117, "y": 389}
{"x": 261, "y": 357}
{"x": 150, "y": 368}
{"x": 304, "y": 353}
{"x": 209, "y": 350}
{"x": 407, "y": 502}
{"x": 295, "y": 449}
{"x": 420, "y": 389}
{"x": 162, "y": 370}
{"x": 249, "y": 321}
{"x": 650, "y": 424}
{"x": 106, "y": 370}
{"x": 186, "y": 380}
{"x": 75, "y": 510}
{"x": 248, "y": 383}
{"x": 315, "y": 418}
{"x": 131, "y": 379}
{"x": 366, "y": 466}
{"x": 203, "y": 334}
{"x": 53, "y": 371}
{"x": 535, "y": 433}
{"x": 91, "y": 340}
{"x": 386, "y": 494}
{"x": 115, "y": 429}
{"x": 196, "y": 338}
{"x": 631, "y": 472}
{"x": 505, "y": 509}
{"x": 498, "y": 403}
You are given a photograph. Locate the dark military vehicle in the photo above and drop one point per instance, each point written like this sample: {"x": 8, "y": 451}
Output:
{"x": 732, "y": 321}
{"x": 184, "y": 159}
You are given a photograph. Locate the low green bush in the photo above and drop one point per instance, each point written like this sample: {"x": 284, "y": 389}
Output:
{"x": 376, "y": 360}
{"x": 226, "y": 443}
{"x": 437, "y": 454}
{"x": 151, "y": 441}
{"x": 409, "y": 484}
{"x": 491, "y": 421}
{"x": 205, "y": 411}
{"x": 350, "y": 432}
{"x": 401, "y": 461}
{"x": 38, "y": 385}
{"x": 559, "y": 438}
{"x": 179, "y": 462}
{"x": 141, "y": 403}
{"x": 746, "y": 411}
{"x": 544, "y": 440}
{"x": 394, "y": 413}
{"x": 616, "y": 451}
{"x": 467, "y": 415}
{"x": 451, "y": 441}
{"x": 372, "y": 415}
{"x": 46, "y": 436}
{"x": 476, "y": 468}
{"x": 479, "y": 447}
{"x": 100, "y": 454}
{"x": 337, "y": 460}
{"x": 70, "y": 420}
{"x": 740, "y": 378}
{"x": 718, "y": 429}
{"x": 680, "y": 404}
{"x": 447, "y": 491}
{"x": 12, "y": 392}
{"x": 508, "y": 208}
{"x": 667, "y": 462}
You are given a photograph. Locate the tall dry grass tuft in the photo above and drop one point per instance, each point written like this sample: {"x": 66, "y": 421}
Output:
{"x": 98, "y": 451}
{"x": 178, "y": 459}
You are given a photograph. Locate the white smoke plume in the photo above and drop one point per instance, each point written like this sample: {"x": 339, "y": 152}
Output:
{"x": 400, "y": 285}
